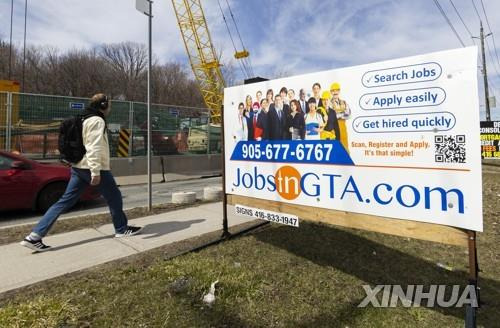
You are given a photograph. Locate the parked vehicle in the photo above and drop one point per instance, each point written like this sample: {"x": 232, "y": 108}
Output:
{"x": 28, "y": 184}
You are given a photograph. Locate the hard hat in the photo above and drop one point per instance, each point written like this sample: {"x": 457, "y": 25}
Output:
{"x": 335, "y": 86}
{"x": 325, "y": 95}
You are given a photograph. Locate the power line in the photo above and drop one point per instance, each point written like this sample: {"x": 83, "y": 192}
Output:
{"x": 493, "y": 86}
{"x": 10, "y": 44}
{"x": 239, "y": 36}
{"x": 492, "y": 35}
{"x": 242, "y": 67}
{"x": 495, "y": 64}
{"x": 461, "y": 19}
{"x": 487, "y": 87}
{"x": 475, "y": 8}
{"x": 449, "y": 22}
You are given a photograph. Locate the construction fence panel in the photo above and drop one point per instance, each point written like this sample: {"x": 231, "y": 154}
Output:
{"x": 119, "y": 118}
{"x": 4, "y": 118}
{"x": 35, "y": 121}
{"x": 170, "y": 128}
{"x": 4, "y": 130}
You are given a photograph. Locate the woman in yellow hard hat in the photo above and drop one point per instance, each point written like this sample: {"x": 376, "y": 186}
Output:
{"x": 343, "y": 113}
{"x": 331, "y": 130}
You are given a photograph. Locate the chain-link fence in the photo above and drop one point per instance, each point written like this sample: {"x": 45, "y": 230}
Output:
{"x": 4, "y": 131}
{"x": 30, "y": 123}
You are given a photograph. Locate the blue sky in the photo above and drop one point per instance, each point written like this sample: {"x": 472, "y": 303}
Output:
{"x": 283, "y": 37}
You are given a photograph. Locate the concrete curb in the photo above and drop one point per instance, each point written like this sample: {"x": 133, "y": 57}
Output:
{"x": 212, "y": 193}
{"x": 184, "y": 197}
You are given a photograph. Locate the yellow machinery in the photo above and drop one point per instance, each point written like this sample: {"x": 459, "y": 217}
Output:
{"x": 8, "y": 87}
{"x": 202, "y": 55}
{"x": 206, "y": 68}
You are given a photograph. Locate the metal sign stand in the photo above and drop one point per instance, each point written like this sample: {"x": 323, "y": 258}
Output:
{"x": 225, "y": 227}
{"x": 470, "y": 311}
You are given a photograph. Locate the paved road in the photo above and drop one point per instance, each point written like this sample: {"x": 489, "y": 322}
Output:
{"x": 133, "y": 196}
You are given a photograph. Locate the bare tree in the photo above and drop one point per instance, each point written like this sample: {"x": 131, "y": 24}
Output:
{"x": 127, "y": 61}
{"x": 51, "y": 72}
{"x": 4, "y": 59}
{"x": 116, "y": 69}
{"x": 171, "y": 85}
{"x": 280, "y": 72}
{"x": 229, "y": 72}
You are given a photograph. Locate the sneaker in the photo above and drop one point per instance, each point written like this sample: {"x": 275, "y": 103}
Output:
{"x": 35, "y": 245}
{"x": 130, "y": 231}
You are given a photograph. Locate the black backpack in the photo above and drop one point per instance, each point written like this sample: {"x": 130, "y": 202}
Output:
{"x": 70, "y": 143}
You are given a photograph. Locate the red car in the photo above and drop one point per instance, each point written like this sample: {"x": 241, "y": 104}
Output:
{"x": 27, "y": 184}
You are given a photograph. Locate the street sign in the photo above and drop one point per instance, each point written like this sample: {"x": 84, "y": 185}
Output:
{"x": 76, "y": 105}
{"x": 142, "y": 6}
{"x": 490, "y": 139}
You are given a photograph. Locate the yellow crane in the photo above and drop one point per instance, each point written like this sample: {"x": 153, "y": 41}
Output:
{"x": 202, "y": 55}
{"x": 206, "y": 68}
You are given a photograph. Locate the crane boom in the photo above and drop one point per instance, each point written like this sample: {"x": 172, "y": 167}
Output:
{"x": 202, "y": 55}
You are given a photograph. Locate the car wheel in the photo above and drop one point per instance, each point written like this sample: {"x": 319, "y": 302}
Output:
{"x": 49, "y": 195}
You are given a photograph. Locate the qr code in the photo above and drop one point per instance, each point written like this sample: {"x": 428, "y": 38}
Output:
{"x": 450, "y": 149}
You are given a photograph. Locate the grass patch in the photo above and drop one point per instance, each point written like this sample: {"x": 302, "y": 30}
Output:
{"x": 278, "y": 276}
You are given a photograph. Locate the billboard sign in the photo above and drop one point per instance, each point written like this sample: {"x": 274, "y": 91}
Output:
{"x": 490, "y": 139}
{"x": 394, "y": 139}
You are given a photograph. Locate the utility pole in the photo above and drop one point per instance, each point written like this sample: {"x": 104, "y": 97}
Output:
{"x": 24, "y": 46}
{"x": 150, "y": 27}
{"x": 10, "y": 44}
{"x": 485, "y": 74}
{"x": 146, "y": 7}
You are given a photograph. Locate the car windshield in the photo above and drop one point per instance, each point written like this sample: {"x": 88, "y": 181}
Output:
{"x": 5, "y": 162}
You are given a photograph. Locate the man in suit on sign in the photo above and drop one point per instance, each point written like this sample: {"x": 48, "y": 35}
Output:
{"x": 316, "y": 89}
{"x": 304, "y": 106}
{"x": 261, "y": 130}
{"x": 277, "y": 119}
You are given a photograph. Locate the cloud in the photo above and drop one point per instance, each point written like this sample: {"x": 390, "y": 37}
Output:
{"x": 292, "y": 36}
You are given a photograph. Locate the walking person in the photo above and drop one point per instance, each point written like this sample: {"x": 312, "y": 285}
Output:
{"x": 93, "y": 169}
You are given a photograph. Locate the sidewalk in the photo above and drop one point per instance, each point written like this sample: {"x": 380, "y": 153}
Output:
{"x": 86, "y": 248}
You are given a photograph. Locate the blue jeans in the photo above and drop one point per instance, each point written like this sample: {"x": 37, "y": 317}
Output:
{"x": 79, "y": 181}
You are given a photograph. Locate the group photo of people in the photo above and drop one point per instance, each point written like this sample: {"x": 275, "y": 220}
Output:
{"x": 287, "y": 116}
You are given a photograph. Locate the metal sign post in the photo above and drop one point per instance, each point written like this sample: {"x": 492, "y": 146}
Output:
{"x": 470, "y": 311}
{"x": 225, "y": 226}
{"x": 146, "y": 7}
